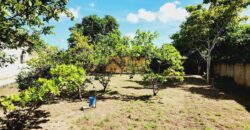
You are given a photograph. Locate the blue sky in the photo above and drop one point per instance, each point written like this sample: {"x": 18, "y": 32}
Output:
{"x": 163, "y": 16}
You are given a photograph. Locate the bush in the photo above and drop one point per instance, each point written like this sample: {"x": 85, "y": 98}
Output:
{"x": 175, "y": 70}
{"x": 39, "y": 68}
{"x": 68, "y": 77}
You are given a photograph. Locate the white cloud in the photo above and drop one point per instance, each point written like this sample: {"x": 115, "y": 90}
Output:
{"x": 132, "y": 18}
{"x": 167, "y": 13}
{"x": 92, "y": 5}
{"x": 130, "y": 35}
{"x": 74, "y": 11}
{"x": 146, "y": 15}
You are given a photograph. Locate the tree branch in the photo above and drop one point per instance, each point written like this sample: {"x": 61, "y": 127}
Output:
{"x": 204, "y": 58}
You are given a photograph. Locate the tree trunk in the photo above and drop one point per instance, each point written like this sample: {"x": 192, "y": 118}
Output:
{"x": 154, "y": 91}
{"x": 208, "y": 66}
{"x": 80, "y": 93}
{"x": 198, "y": 67}
{"x": 154, "y": 86}
{"x": 104, "y": 88}
{"x": 159, "y": 68}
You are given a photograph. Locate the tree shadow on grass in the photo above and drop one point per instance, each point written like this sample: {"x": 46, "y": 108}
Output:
{"x": 147, "y": 85}
{"x": 134, "y": 87}
{"x": 194, "y": 80}
{"x": 224, "y": 91}
{"x": 126, "y": 98}
{"x": 115, "y": 95}
{"x": 19, "y": 120}
{"x": 140, "y": 82}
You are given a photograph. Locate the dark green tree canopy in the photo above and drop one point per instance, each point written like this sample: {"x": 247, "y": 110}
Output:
{"x": 95, "y": 27}
{"x": 206, "y": 28}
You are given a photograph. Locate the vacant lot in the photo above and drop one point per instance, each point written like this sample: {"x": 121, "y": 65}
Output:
{"x": 128, "y": 105}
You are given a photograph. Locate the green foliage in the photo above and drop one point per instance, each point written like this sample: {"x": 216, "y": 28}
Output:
{"x": 81, "y": 53}
{"x": 95, "y": 27}
{"x": 94, "y": 42}
{"x": 104, "y": 79}
{"x": 154, "y": 77}
{"x": 30, "y": 97}
{"x": 23, "y": 22}
{"x": 142, "y": 44}
{"x": 8, "y": 102}
{"x": 236, "y": 47}
{"x": 39, "y": 67}
{"x": 68, "y": 76}
{"x": 167, "y": 56}
{"x": 105, "y": 49}
{"x": 172, "y": 57}
{"x": 5, "y": 58}
{"x": 142, "y": 47}
{"x": 207, "y": 28}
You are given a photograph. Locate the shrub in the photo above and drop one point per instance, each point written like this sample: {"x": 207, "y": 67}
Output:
{"x": 69, "y": 77}
{"x": 39, "y": 68}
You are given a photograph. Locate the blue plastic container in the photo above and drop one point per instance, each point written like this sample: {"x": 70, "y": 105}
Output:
{"x": 92, "y": 101}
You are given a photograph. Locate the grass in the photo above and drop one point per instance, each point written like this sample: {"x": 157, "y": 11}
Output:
{"x": 129, "y": 106}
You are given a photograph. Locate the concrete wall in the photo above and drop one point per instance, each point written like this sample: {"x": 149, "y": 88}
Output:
{"x": 13, "y": 69}
{"x": 239, "y": 72}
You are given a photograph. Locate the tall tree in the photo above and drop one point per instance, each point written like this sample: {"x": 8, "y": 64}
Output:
{"x": 142, "y": 46}
{"x": 82, "y": 54}
{"x": 95, "y": 27}
{"x": 205, "y": 28}
{"x": 23, "y": 21}
{"x": 93, "y": 43}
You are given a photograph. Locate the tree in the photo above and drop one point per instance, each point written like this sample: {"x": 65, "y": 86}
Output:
{"x": 170, "y": 57}
{"x": 93, "y": 43}
{"x": 94, "y": 28}
{"x": 81, "y": 53}
{"x": 105, "y": 51}
{"x": 205, "y": 28}
{"x": 142, "y": 47}
{"x": 23, "y": 22}
{"x": 168, "y": 69}
{"x": 122, "y": 48}
{"x": 24, "y": 104}
{"x": 69, "y": 78}
{"x": 39, "y": 67}
{"x": 236, "y": 47}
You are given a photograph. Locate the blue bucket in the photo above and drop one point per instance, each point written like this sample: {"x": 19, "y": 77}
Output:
{"x": 92, "y": 101}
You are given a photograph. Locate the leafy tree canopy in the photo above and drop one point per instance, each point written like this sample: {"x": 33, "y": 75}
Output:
{"x": 206, "y": 28}
{"x": 23, "y": 21}
{"x": 94, "y": 28}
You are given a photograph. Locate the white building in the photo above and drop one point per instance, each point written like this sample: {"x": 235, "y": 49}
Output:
{"x": 13, "y": 69}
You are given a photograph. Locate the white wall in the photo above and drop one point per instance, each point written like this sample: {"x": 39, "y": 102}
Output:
{"x": 13, "y": 69}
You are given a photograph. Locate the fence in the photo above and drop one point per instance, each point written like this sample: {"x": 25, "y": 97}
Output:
{"x": 239, "y": 72}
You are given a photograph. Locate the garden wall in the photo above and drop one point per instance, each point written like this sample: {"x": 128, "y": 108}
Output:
{"x": 239, "y": 72}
